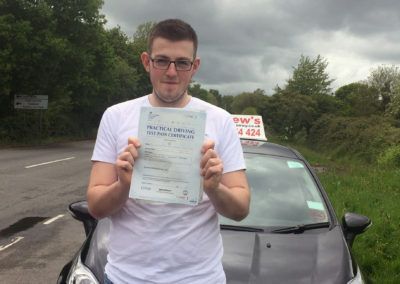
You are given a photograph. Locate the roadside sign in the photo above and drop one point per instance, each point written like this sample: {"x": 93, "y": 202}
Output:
{"x": 31, "y": 102}
{"x": 249, "y": 126}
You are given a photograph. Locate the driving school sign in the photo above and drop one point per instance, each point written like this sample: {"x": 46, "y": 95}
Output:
{"x": 30, "y": 102}
{"x": 249, "y": 126}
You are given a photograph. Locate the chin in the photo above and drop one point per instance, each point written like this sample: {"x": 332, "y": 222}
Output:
{"x": 167, "y": 97}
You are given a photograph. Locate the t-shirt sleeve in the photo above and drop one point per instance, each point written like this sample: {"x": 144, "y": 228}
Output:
{"x": 105, "y": 149}
{"x": 230, "y": 149}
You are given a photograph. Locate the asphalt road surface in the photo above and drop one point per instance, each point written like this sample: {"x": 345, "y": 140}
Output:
{"x": 37, "y": 234}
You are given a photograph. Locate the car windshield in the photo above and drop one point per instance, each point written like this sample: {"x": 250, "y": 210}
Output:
{"x": 283, "y": 193}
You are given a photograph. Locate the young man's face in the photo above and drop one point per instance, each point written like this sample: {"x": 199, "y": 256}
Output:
{"x": 170, "y": 85}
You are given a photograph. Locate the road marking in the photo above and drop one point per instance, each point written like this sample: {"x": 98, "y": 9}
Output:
{"x": 13, "y": 242}
{"x": 53, "y": 219}
{"x": 46, "y": 163}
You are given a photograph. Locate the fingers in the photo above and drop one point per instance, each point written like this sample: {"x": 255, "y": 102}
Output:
{"x": 127, "y": 158}
{"x": 208, "y": 144}
{"x": 134, "y": 141}
{"x": 133, "y": 145}
{"x": 208, "y": 152}
{"x": 210, "y": 161}
{"x": 125, "y": 161}
{"x": 213, "y": 170}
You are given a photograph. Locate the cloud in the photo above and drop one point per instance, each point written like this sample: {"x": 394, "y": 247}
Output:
{"x": 245, "y": 45}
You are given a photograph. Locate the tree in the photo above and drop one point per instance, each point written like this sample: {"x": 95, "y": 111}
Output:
{"x": 386, "y": 80}
{"x": 256, "y": 99}
{"x": 31, "y": 62}
{"x": 60, "y": 48}
{"x": 309, "y": 78}
{"x": 358, "y": 99}
{"x": 217, "y": 96}
{"x": 198, "y": 92}
{"x": 288, "y": 114}
{"x": 138, "y": 45}
{"x": 394, "y": 105}
{"x": 226, "y": 103}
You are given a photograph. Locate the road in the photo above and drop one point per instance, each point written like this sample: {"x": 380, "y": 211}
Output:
{"x": 37, "y": 234}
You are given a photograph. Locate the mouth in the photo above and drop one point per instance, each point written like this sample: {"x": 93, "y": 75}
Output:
{"x": 170, "y": 82}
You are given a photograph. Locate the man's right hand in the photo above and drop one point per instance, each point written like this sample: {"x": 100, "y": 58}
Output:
{"x": 109, "y": 184}
{"x": 126, "y": 161}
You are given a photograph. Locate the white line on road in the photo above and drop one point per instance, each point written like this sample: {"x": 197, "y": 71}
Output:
{"x": 13, "y": 242}
{"x": 46, "y": 163}
{"x": 53, "y": 219}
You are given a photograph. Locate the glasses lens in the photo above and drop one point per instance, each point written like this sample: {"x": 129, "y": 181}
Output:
{"x": 161, "y": 63}
{"x": 183, "y": 65}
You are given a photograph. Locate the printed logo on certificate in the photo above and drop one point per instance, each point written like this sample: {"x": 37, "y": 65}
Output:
{"x": 168, "y": 167}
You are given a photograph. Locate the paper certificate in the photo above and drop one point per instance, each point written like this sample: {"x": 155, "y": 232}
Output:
{"x": 168, "y": 167}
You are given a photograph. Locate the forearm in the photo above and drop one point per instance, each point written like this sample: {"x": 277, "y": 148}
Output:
{"x": 231, "y": 202}
{"x": 104, "y": 200}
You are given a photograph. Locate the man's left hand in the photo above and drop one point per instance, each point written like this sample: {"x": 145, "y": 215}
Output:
{"x": 211, "y": 167}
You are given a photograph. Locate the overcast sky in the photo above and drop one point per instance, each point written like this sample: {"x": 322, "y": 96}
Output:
{"x": 250, "y": 44}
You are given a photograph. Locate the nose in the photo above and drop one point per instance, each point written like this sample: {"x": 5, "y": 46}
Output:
{"x": 171, "y": 71}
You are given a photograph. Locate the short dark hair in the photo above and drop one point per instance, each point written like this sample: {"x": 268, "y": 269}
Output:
{"x": 173, "y": 30}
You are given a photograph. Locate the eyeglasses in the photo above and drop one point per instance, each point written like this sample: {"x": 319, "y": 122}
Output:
{"x": 180, "y": 65}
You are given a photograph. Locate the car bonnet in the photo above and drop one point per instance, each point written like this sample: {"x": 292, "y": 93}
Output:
{"x": 312, "y": 257}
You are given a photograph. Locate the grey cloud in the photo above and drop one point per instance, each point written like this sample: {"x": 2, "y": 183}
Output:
{"x": 256, "y": 43}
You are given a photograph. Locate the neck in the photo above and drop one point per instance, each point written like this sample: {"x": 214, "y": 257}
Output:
{"x": 179, "y": 102}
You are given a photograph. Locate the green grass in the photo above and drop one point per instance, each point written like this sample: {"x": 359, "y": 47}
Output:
{"x": 372, "y": 191}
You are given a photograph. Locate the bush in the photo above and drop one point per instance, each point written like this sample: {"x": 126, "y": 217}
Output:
{"x": 390, "y": 157}
{"x": 361, "y": 137}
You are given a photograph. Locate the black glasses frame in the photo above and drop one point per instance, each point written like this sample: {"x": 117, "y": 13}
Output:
{"x": 171, "y": 61}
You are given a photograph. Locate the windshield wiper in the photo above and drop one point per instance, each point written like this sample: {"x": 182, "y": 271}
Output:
{"x": 241, "y": 228}
{"x": 300, "y": 228}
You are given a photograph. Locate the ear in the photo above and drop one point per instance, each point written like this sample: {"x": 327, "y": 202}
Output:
{"x": 145, "y": 57}
{"x": 196, "y": 65}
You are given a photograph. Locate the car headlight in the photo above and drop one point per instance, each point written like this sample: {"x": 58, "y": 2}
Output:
{"x": 357, "y": 279}
{"x": 80, "y": 274}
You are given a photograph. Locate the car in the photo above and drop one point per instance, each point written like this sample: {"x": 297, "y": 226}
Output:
{"x": 291, "y": 234}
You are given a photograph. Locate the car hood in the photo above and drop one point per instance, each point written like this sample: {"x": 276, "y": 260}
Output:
{"x": 318, "y": 256}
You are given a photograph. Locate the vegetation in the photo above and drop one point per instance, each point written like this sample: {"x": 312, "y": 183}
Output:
{"x": 61, "y": 49}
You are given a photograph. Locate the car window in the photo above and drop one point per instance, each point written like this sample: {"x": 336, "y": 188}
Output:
{"x": 283, "y": 193}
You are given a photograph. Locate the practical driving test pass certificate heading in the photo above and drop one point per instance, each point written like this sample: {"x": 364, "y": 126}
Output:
{"x": 168, "y": 167}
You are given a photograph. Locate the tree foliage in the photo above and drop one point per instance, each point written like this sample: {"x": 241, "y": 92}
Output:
{"x": 211, "y": 96}
{"x": 287, "y": 114}
{"x": 310, "y": 77}
{"x": 256, "y": 99}
{"x": 363, "y": 137}
{"x": 358, "y": 99}
{"x": 385, "y": 79}
{"x": 139, "y": 44}
{"x": 61, "y": 49}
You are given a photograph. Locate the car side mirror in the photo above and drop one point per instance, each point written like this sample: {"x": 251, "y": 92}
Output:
{"x": 353, "y": 225}
{"x": 80, "y": 211}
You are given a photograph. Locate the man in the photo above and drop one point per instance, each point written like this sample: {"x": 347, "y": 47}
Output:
{"x": 166, "y": 243}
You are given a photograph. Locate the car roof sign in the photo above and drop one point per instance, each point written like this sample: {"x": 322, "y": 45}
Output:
{"x": 249, "y": 127}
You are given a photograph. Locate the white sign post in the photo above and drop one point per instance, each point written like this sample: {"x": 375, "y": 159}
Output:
{"x": 31, "y": 102}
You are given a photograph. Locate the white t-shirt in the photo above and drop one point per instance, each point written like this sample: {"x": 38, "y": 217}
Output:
{"x": 165, "y": 243}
